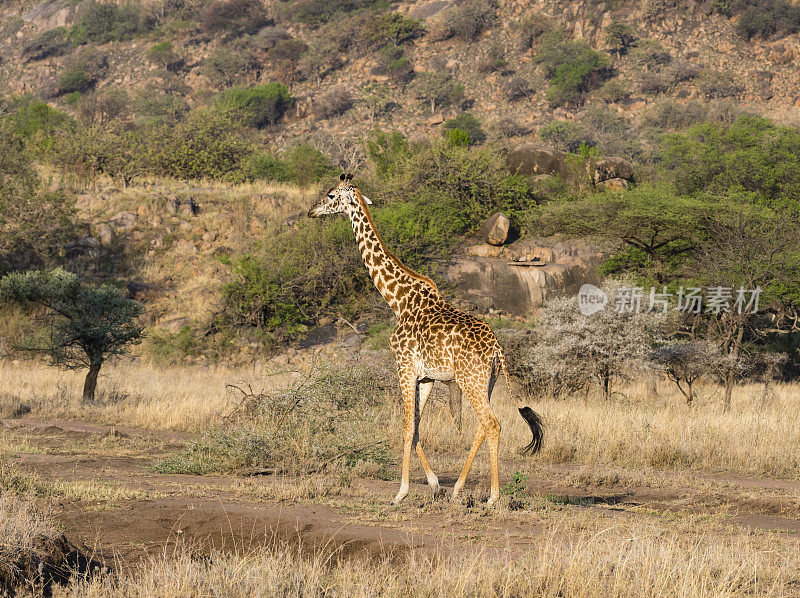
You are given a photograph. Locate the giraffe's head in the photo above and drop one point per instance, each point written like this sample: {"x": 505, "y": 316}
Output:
{"x": 338, "y": 198}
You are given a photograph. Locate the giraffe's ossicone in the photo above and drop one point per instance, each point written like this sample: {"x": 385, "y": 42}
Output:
{"x": 432, "y": 341}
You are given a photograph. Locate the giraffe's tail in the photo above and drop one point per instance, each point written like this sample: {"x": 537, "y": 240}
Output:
{"x": 529, "y": 415}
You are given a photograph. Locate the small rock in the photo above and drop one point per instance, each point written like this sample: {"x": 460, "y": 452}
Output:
{"x": 105, "y": 234}
{"x": 495, "y": 228}
{"x": 484, "y": 250}
{"x": 210, "y": 236}
{"x": 615, "y": 184}
{"x": 436, "y": 119}
{"x": 352, "y": 340}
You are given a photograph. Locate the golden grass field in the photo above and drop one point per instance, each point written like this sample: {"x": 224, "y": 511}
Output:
{"x": 630, "y": 497}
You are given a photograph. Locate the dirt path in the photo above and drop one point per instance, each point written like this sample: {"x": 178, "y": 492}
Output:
{"x": 110, "y": 501}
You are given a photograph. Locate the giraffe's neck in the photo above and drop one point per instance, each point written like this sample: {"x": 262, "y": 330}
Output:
{"x": 402, "y": 288}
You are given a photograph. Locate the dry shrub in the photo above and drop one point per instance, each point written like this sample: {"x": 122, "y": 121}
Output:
{"x": 236, "y": 17}
{"x": 652, "y": 83}
{"x": 465, "y": 21}
{"x": 716, "y": 84}
{"x": 330, "y": 417}
{"x": 518, "y": 88}
{"x": 335, "y": 102}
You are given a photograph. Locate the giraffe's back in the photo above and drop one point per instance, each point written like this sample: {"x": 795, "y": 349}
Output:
{"x": 442, "y": 341}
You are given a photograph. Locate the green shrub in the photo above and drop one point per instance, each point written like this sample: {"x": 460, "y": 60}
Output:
{"x": 399, "y": 68}
{"x": 204, "y": 146}
{"x": 392, "y": 28}
{"x": 307, "y": 164}
{"x": 73, "y": 98}
{"x": 767, "y": 18}
{"x": 75, "y": 79}
{"x": 531, "y": 29}
{"x": 234, "y": 17}
{"x": 256, "y": 106}
{"x": 155, "y": 106}
{"x": 564, "y": 135}
{"x": 102, "y": 23}
{"x": 457, "y": 137}
{"x": 171, "y": 347}
{"x": 669, "y": 115}
{"x": 387, "y": 151}
{"x": 30, "y": 117}
{"x": 163, "y": 54}
{"x": 268, "y": 168}
{"x": 294, "y": 278}
{"x": 82, "y": 71}
{"x": 619, "y": 37}
{"x": 35, "y": 224}
{"x": 439, "y": 192}
{"x": 752, "y": 159}
{"x": 316, "y": 12}
{"x": 225, "y": 67}
{"x": 50, "y": 43}
{"x": 573, "y": 68}
{"x": 438, "y": 89}
{"x": 469, "y": 125}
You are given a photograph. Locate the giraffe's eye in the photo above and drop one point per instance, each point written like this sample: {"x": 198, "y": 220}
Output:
{"x": 331, "y": 196}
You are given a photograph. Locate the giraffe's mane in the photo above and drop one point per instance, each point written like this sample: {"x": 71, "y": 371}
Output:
{"x": 391, "y": 255}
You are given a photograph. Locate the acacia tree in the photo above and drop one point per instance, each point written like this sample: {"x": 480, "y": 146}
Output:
{"x": 85, "y": 324}
{"x": 34, "y": 222}
{"x": 571, "y": 348}
{"x": 755, "y": 248}
{"x": 684, "y": 362}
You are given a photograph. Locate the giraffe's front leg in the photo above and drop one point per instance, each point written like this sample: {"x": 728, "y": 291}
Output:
{"x": 408, "y": 386}
{"x": 424, "y": 392}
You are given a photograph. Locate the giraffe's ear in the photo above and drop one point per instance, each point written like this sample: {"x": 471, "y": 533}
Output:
{"x": 342, "y": 176}
{"x": 367, "y": 200}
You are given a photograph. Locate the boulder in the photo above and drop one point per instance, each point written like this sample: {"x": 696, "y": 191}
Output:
{"x": 174, "y": 323}
{"x": 613, "y": 168}
{"x": 495, "y": 229}
{"x": 536, "y": 161}
{"x": 530, "y": 160}
{"x": 123, "y": 220}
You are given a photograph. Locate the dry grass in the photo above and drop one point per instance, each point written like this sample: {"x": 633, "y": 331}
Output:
{"x": 625, "y": 559}
{"x": 759, "y": 436}
{"x": 21, "y": 523}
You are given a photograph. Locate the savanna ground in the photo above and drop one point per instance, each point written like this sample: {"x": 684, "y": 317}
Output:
{"x": 632, "y": 496}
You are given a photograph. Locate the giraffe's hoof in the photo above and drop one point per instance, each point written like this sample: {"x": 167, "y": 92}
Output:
{"x": 439, "y": 493}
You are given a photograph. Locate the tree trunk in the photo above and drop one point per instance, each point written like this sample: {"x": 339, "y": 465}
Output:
{"x": 455, "y": 404}
{"x": 730, "y": 375}
{"x": 90, "y": 384}
{"x": 606, "y": 377}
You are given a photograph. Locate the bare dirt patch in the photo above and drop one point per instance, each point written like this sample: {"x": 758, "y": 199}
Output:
{"x": 353, "y": 518}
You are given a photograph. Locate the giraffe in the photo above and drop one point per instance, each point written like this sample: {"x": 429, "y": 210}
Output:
{"x": 432, "y": 341}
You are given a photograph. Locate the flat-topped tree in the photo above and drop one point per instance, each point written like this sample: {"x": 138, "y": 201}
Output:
{"x": 86, "y": 324}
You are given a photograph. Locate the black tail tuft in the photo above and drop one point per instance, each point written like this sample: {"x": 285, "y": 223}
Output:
{"x": 537, "y": 429}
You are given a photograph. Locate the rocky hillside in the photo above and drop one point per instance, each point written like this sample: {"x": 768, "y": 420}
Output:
{"x": 681, "y": 50}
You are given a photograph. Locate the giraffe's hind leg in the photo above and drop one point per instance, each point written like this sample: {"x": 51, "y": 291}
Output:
{"x": 489, "y": 429}
{"x": 424, "y": 392}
